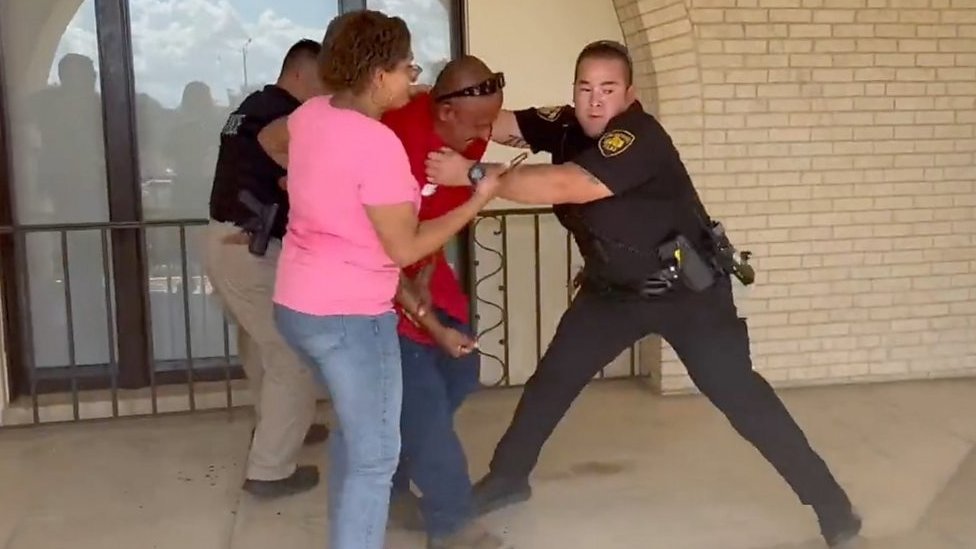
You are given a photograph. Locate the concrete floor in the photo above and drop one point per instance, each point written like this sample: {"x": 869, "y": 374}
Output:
{"x": 625, "y": 470}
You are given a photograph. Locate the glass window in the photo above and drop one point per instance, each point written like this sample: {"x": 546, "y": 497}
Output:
{"x": 430, "y": 29}
{"x": 194, "y": 62}
{"x": 53, "y": 105}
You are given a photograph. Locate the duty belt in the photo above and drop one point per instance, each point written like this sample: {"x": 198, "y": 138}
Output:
{"x": 654, "y": 286}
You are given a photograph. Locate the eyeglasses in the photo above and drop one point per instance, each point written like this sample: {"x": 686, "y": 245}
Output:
{"x": 488, "y": 87}
{"x": 413, "y": 70}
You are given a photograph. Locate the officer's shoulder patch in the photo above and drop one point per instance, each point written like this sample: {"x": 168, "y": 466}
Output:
{"x": 550, "y": 114}
{"x": 615, "y": 142}
{"x": 234, "y": 123}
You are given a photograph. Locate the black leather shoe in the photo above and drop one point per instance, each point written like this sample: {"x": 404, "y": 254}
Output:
{"x": 303, "y": 479}
{"x": 317, "y": 432}
{"x": 841, "y": 528}
{"x": 494, "y": 492}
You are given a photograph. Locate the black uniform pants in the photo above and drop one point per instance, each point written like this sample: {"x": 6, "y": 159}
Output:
{"x": 713, "y": 343}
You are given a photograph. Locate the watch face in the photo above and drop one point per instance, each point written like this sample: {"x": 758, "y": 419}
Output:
{"x": 477, "y": 173}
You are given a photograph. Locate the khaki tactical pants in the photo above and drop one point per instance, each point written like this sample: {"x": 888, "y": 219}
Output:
{"x": 283, "y": 388}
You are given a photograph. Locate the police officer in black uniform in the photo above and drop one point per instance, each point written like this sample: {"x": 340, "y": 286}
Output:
{"x": 242, "y": 163}
{"x": 654, "y": 263}
{"x": 249, "y": 210}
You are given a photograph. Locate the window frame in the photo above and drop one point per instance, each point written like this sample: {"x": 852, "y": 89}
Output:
{"x": 128, "y": 261}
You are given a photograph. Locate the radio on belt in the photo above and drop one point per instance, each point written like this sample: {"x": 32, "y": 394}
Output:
{"x": 725, "y": 256}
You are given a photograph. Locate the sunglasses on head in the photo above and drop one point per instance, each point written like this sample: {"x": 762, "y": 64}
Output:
{"x": 488, "y": 87}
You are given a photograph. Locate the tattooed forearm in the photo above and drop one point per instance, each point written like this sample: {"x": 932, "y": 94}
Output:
{"x": 545, "y": 184}
{"x": 583, "y": 171}
{"x": 513, "y": 141}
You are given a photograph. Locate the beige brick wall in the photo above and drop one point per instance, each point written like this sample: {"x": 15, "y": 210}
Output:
{"x": 835, "y": 138}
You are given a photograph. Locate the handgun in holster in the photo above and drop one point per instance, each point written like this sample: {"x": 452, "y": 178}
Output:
{"x": 259, "y": 226}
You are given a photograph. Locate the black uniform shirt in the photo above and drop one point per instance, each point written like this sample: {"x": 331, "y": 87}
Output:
{"x": 653, "y": 198}
{"x": 243, "y": 164}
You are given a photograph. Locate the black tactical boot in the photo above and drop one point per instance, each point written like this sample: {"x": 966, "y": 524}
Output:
{"x": 840, "y": 526}
{"x": 317, "y": 432}
{"x": 494, "y": 492}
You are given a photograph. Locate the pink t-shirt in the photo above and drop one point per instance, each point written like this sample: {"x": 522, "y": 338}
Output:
{"x": 332, "y": 262}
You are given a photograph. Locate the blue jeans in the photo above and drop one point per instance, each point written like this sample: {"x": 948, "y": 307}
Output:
{"x": 358, "y": 360}
{"x": 435, "y": 385}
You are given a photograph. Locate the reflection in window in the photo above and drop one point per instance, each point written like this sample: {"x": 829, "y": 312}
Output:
{"x": 53, "y": 103}
{"x": 430, "y": 29}
{"x": 194, "y": 62}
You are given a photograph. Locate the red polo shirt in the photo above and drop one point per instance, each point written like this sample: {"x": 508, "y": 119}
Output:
{"x": 414, "y": 125}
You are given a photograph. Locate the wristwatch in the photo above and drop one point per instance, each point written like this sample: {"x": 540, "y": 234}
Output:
{"x": 476, "y": 173}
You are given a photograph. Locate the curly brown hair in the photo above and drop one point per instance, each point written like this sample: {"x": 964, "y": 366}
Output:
{"x": 358, "y": 43}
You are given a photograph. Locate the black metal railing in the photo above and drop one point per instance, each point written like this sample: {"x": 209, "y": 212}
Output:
{"x": 48, "y": 376}
{"x": 190, "y": 355}
{"x": 493, "y": 271}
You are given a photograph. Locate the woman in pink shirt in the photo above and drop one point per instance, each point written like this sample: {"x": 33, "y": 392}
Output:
{"x": 352, "y": 224}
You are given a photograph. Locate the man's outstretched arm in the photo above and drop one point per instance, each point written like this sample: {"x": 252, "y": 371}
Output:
{"x": 546, "y": 184}
{"x": 528, "y": 184}
{"x": 610, "y": 167}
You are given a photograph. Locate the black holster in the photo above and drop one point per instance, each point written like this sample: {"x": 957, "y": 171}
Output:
{"x": 259, "y": 226}
{"x": 683, "y": 262}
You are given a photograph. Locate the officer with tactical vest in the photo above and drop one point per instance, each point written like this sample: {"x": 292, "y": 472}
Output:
{"x": 248, "y": 211}
{"x": 654, "y": 263}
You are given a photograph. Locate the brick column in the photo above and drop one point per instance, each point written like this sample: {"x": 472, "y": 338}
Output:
{"x": 4, "y": 389}
{"x": 835, "y": 139}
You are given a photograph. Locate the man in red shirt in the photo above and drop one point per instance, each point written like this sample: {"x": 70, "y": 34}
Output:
{"x": 440, "y": 367}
